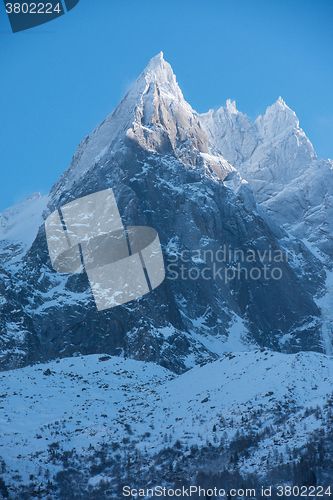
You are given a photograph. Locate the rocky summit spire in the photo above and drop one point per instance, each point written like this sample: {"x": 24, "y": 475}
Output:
{"x": 160, "y": 72}
{"x": 157, "y": 82}
{"x": 163, "y": 120}
{"x": 153, "y": 114}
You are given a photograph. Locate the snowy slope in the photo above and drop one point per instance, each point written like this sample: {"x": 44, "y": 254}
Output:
{"x": 19, "y": 226}
{"x": 79, "y": 403}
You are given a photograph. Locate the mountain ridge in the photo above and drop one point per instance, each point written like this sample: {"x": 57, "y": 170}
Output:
{"x": 167, "y": 173}
{"x": 265, "y": 406}
{"x": 275, "y": 156}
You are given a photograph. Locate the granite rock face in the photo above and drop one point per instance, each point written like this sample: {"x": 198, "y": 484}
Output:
{"x": 235, "y": 279}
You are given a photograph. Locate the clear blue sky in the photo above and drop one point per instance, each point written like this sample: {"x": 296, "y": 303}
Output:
{"x": 60, "y": 80}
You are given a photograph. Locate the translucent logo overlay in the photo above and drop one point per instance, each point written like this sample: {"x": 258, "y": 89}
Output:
{"x": 87, "y": 235}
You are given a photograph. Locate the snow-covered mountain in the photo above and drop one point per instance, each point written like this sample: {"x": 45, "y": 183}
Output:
{"x": 225, "y": 368}
{"x": 158, "y": 156}
{"x": 169, "y": 170}
{"x": 274, "y": 155}
{"x": 93, "y": 414}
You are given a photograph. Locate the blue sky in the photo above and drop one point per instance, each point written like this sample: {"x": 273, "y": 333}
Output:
{"x": 60, "y": 80}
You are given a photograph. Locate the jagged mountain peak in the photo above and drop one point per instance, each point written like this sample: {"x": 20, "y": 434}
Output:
{"x": 155, "y": 116}
{"x": 156, "y": 61}
{"x": 160, "y": 71}
{"x": 158, "y": 74}
{"x": 278, "y": 160}
{"x": 158, "y": 66}
{"x": 281, "y": 101}
{"x": 280, "y": 105}
{"x": 163, "y": 120}
{"x": 280, "y": 124}
{"x": 277, "y": 118}
{"x": 231, "y": 106}
{"x": 229, "y": 128}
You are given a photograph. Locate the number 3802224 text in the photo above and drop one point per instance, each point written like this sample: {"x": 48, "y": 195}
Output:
{"x": 32, "y": 8}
